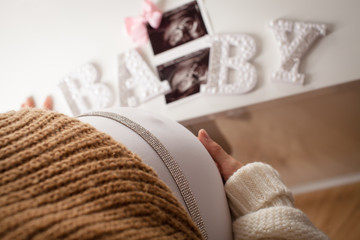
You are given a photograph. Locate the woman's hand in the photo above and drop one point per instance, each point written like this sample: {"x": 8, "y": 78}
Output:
{"x": 226, "y": 164}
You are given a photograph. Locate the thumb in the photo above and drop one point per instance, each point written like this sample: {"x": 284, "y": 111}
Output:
{"x": 216, "y": 151}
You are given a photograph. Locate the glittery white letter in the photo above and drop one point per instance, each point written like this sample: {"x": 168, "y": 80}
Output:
{"x": 302, "y": 35}
{"x": 83, "y": 92}
{"x": 223, "y": 60}
{"x": 137, "y": 82}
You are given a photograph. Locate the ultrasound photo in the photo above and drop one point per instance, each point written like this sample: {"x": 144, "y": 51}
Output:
{"x": 178, "y": 26}
{"x": 185, "y": 74}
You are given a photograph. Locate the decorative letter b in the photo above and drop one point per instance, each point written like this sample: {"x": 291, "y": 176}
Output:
{"x": 231, "y": 52}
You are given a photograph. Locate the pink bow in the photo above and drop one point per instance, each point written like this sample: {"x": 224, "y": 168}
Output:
{"x": 136, "y": 26}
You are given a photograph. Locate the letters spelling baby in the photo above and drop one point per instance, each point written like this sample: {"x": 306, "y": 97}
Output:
{"x": 138, "y": 84}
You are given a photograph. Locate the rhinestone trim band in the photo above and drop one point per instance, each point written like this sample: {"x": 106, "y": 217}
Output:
{"x": 167, "y": 159}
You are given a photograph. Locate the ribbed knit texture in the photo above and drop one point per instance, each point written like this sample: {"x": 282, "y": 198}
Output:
{"x": 260, "y": 187}
{"x": 263, "y": 207}
{"x": 60, "y": 178}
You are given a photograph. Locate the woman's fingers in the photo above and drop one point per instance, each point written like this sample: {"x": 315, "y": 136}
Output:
{"x": 226, "y": 164}
{"x": 29, "y": 103}
{"x": 215, "y": 150}
{"x": 48, "y": 103}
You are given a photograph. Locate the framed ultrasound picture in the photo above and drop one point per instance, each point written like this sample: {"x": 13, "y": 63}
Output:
{"x": 178, "y": 26}
{"x": 185, "y": 74}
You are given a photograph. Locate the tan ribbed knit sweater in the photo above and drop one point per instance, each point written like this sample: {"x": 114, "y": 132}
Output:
{"x": 60, "y": 178}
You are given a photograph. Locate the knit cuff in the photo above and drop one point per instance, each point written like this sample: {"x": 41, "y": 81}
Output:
{"x": 255, "y": 186}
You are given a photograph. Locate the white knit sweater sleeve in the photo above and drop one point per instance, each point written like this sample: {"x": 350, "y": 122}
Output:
{"x": 263, "y": 206}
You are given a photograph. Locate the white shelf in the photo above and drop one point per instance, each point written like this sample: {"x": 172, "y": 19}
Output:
{"x": 41, "y": 41}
